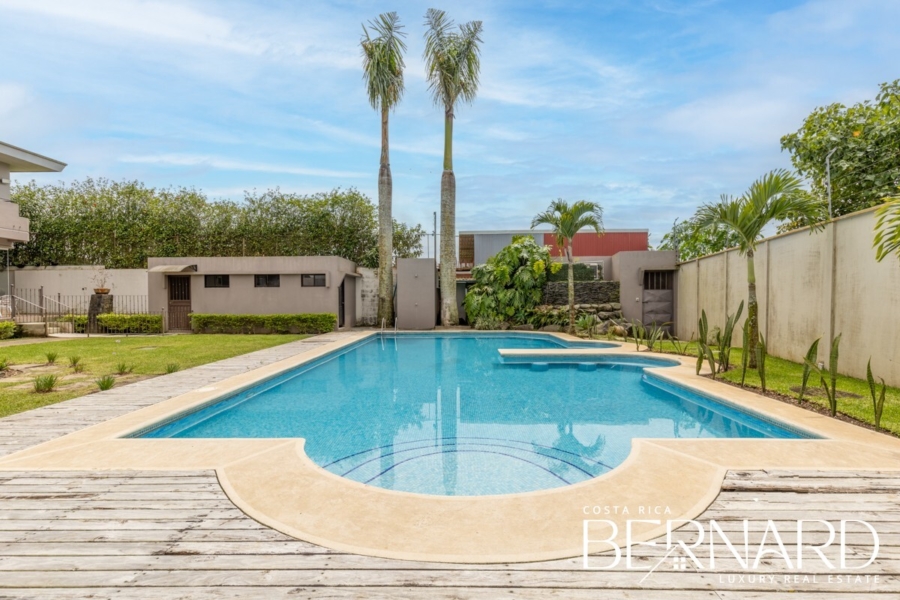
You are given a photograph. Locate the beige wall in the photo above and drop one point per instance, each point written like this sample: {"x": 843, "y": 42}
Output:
{"x": 241, "y": 297}
{"x": 627, "y": 269}
{"x": 79, "y": 280}
{"x": 4, "y": 187}
{"x": 367, "y": 296}
{"x": 796, "y": 273}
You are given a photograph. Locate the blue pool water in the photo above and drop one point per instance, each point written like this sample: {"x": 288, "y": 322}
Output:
{"x": 443, "y": 414}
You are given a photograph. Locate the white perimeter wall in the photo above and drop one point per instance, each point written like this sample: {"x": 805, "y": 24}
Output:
{"x": 79, "y": 280}
{"x": 809, "y": 286}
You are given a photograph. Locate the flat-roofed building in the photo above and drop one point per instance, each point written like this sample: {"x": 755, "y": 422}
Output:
{"x": 14, "y": 227}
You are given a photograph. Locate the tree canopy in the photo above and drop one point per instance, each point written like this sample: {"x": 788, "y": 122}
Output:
{"x": 865, "y": 138}
{"x": 691, "y": 240}
{"x": 120, "y": 224}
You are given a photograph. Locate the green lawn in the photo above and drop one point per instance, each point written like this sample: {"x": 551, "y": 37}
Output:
{"x": 150, "y": 355}
{"x": 782, "y": 375}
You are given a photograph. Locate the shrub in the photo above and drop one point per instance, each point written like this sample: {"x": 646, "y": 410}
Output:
{"x": 118, "y": 323}
{"x": 74, "y": 360}
{"x": 172, "y": 368}
{"x": 488, "y": 324}
{"x": 45, "y": 383}
{"x": 509, "y": 286}
{"x": 298, "y": 323}
{"x": 4, "y": 364}
{"x": 585, "y": 324}
{"x": 877, "y": 401}
{"x": 7, "y": 329}
{"x": 123, "y": 368}
{"x": 105, "y": 383}
{"x": 51, "y": 357}
{"x": 140, "y": 323}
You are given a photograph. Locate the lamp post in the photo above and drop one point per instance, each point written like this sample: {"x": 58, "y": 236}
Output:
{"x": 828, "y": 177}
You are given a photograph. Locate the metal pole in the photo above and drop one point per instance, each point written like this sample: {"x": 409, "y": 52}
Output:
{"x": 828, "y": 176}
{"x": 434, "y": 232}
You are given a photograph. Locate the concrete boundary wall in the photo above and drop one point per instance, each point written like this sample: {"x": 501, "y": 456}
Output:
{"x": 79, "y": 280}
{"x": 809, "y": 286}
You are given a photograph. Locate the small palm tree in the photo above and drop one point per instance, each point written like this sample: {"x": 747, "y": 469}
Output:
{"x": 383, "y": 73}
{"x": 773, "y": 197}
{"x": 887, "y": 238}
{"x": 452, "y": 67}
{"x": 566, "y": 222}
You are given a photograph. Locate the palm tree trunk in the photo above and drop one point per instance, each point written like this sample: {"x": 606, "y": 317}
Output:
{"x": 385, "y": 230}
{"x": 449, "y": 311}
{"x": 571, "y": 287}
{"x": 752, "y": 311}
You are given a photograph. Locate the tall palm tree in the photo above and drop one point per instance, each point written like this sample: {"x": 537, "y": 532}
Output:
{"x": 566, "y": 222}
{"x": 772, "y": 197}
{"x": 452, "y": 66}
{"x": 383, "y": 74}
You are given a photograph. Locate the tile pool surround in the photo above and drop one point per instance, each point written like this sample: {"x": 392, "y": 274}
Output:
{"x": 273, "y": 480}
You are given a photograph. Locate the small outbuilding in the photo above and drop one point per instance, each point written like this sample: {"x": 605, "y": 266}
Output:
{"x": 260, "y": 285}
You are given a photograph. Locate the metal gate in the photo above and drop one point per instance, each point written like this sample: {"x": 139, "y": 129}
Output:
{"x": 658, "y": 298}
{"x": 179, "y": 303}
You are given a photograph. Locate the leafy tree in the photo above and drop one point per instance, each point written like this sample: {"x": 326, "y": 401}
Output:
{"x": 566, "y": 222}
{"x": 509, "y": 285}
{"x": 690, "y": 240}
{"x": 452, "y": 67}
{"x": 865, "y": 140}
{"x": 120, "y": 224}
{"x": 383, "y": 72}
{"x": 770, "y": 198}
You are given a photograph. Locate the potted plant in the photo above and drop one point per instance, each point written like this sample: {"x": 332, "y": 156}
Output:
{"x": 100, "y": 282}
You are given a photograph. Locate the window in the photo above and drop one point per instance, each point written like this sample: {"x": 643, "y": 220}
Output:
{"x": 659, "y": 280}
{"x": 267, "y": 281}
{"x": 220, "y": 281}
{"x": 317, "y": 280}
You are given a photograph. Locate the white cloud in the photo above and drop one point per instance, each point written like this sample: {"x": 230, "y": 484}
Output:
{"x": 213, "y": 162}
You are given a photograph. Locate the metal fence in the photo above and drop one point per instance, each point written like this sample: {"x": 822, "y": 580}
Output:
{"x": 45, "y": 314}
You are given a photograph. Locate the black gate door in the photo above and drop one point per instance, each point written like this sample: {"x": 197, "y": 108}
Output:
{"x": 341, "y": 305}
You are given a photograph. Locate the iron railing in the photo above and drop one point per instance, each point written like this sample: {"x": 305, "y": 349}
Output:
{"x": 46, "y": 314}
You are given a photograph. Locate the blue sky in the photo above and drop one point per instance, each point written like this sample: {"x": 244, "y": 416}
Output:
{"x": 648, "y": 107}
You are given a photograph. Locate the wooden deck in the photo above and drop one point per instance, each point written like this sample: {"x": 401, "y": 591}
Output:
{"x": 176, "y": 534}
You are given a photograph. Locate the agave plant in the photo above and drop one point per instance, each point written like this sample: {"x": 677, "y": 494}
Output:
{"x": 810, "y": 358}
{"x": 585, "y": 324}
{"x": 745, "y": 352}
{"x": 655, "y": 335}
{"x": 829, "y": 384}
{"x": 723, "y": 340}
{"x": 637, "y": 332}
{"x": 877, "y": 400}
{"x": 105, "y": 383}
{"x": 703, "y": 349}
{"x": 761, "y": 354}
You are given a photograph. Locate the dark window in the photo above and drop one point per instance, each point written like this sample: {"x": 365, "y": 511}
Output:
{"x": 267, "y": 281}
{"x": 659, "y": 280}
{"x": 317, "y": 280}
{"x": 216, "y": 281}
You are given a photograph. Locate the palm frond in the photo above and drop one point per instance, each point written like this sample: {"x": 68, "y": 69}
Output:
{"x": 383, "y": 60}
{"x": 887, "y": 227}
{"x": 452, "y": 59}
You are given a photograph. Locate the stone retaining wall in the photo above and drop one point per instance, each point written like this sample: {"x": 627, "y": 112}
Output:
{"x": 586, "y": 292}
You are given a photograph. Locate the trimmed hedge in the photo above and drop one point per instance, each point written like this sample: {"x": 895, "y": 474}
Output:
{"x": 7, "y": 329}
{"x": 118, "y": 323}
{"x": 581, "y": 272}
{"x": 299, "y": 323}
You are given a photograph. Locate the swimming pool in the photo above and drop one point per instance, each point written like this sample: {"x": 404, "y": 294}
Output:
{"x": 443, "y": 414}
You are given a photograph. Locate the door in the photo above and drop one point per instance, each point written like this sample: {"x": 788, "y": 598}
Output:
{"x": 658, "y": 298}
{"x": 341, "y": 305}
{"x": 179, "y": 303}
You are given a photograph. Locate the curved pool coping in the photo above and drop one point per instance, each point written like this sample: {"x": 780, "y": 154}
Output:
{"x": 273, "y": 480}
